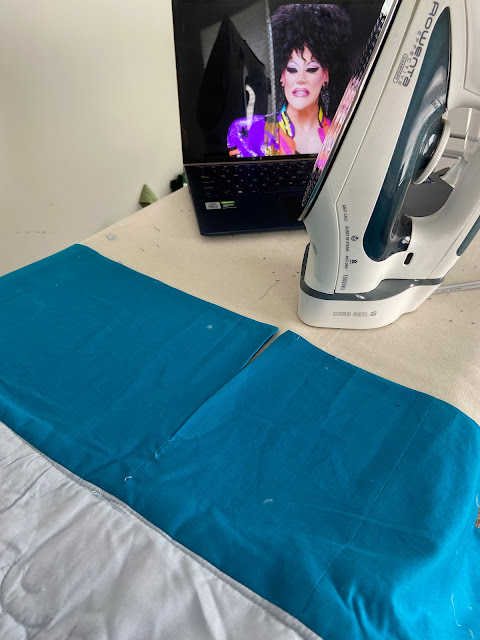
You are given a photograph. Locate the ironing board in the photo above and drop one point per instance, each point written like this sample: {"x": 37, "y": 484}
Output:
{"x": 297, "y": 499}
{"x": 435, "y": 349}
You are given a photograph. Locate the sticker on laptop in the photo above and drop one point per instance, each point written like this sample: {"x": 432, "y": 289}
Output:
{"x": 224, "y": 204}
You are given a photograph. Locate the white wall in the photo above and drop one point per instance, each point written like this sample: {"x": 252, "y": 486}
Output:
{"x": 88, "y": 114}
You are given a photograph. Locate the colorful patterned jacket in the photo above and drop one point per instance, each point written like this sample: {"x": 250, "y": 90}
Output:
{"x": 271, "y": 135}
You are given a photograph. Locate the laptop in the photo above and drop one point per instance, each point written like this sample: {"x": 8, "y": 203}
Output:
{"x": 246, "y": 165}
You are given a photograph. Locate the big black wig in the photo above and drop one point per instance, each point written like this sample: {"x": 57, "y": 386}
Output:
{"x": 325, "y": 30}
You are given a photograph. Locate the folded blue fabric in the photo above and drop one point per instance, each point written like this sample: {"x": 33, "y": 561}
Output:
{"x": 343, "y": 498}
{"x": 100, "y": 365}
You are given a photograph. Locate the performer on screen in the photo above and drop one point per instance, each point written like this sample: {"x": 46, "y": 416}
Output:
{"x": 311, "y": 44}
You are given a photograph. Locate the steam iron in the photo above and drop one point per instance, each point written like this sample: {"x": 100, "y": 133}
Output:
{"x": 385, "y": 227}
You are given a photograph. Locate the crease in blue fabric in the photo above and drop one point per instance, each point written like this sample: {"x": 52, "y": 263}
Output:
{"x": 365, "y": 516}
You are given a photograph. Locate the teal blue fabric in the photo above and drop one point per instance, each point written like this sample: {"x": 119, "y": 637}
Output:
{"x": 343, "y": 498}
{"x": 100, "y": 365}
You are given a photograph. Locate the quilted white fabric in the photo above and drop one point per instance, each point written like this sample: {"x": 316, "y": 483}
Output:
{"x": 77, "y": 564}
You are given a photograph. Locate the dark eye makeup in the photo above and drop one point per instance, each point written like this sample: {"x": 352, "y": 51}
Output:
{"x": 309, "y": 69}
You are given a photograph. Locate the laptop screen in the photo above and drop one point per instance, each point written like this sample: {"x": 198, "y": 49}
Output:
{"x": 263, "y": 78}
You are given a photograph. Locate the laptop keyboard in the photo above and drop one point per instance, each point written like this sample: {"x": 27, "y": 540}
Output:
{"x": 281, "y": 179}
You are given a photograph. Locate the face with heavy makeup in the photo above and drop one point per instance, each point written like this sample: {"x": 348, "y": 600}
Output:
{"x": 302, "y": 80}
